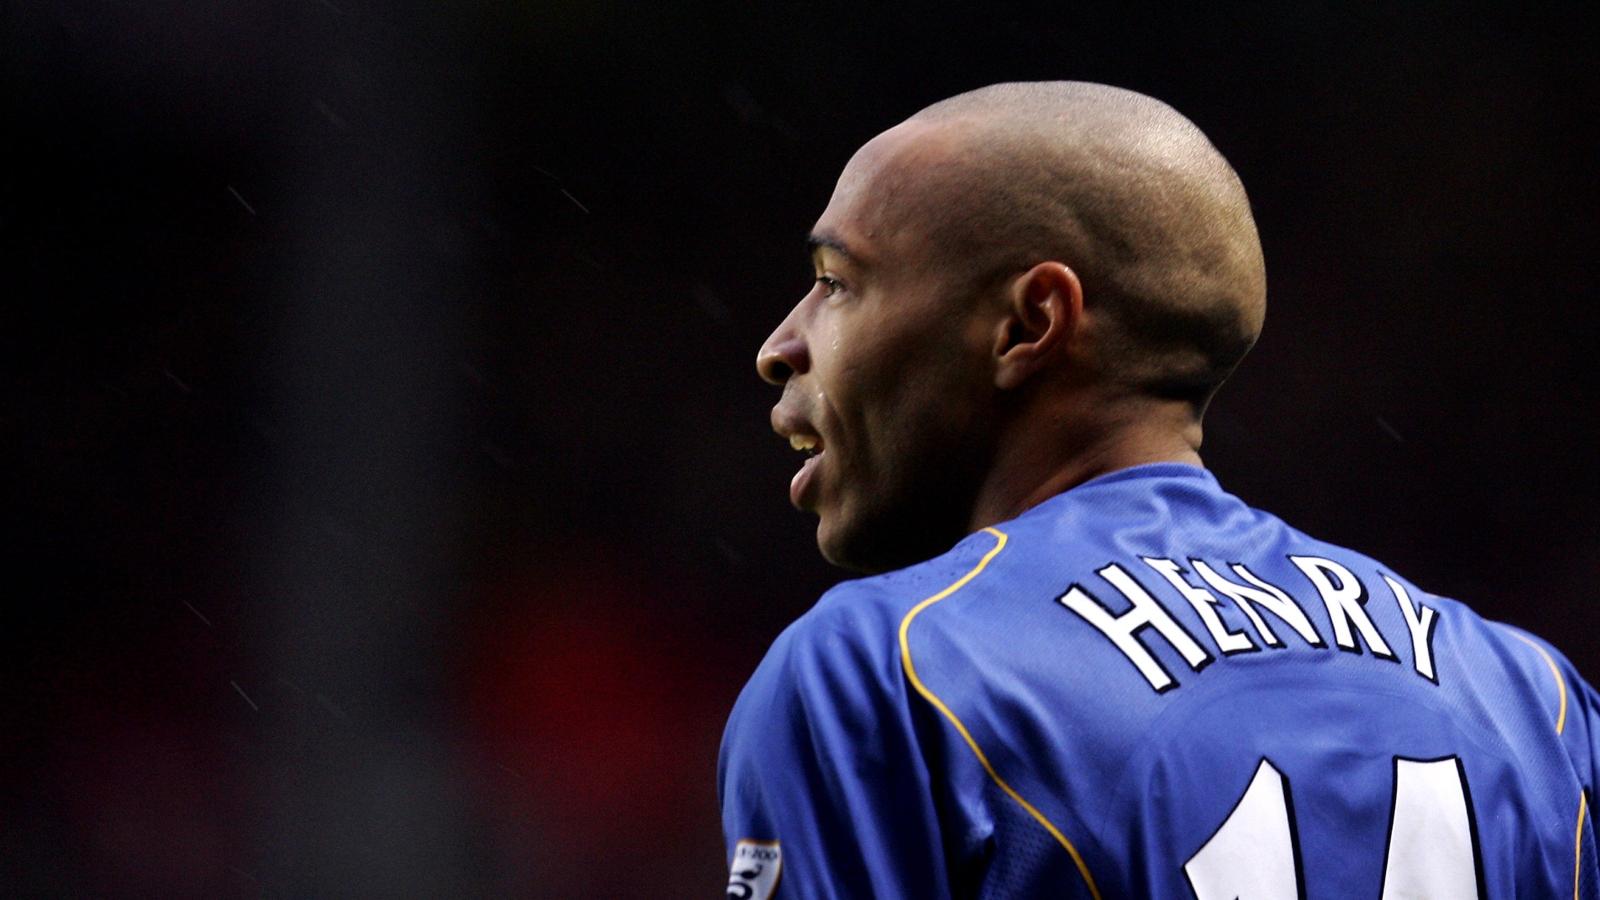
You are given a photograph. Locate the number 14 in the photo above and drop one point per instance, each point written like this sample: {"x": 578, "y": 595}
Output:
{"x": 1433, "y": 839}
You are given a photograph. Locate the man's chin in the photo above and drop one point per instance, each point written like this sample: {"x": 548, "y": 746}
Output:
{"x": 840, "y": 552}
{"x": 845, "y": 548}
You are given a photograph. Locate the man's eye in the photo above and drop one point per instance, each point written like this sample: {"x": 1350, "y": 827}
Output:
{"x": 830, "y": 285}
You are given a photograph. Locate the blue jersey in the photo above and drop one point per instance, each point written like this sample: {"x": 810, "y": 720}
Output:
{"x": 1143, "y": 687}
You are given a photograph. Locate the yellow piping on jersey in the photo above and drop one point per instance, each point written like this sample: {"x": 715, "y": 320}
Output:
{"x": 1561, "y": 683}
{"x": 911, "y": 673}
{"x": 1577, "y": 864}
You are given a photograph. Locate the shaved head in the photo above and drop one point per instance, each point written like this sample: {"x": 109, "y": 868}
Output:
{"x": 1118, "y": 186}
{"x": 1017, "y": 289}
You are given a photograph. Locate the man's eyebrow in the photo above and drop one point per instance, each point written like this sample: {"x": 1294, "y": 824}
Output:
{"x": 816, "y": 241}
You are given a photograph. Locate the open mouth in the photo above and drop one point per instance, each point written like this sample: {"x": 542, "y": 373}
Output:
{"x": 801, "y": 490}
{"x": 809, "y": 444}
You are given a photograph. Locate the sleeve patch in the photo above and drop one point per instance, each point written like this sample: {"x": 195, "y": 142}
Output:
{"x": 755, "y": 870}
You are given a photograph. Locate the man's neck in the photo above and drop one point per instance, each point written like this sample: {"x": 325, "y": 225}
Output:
{"x": 1045, "y": 462}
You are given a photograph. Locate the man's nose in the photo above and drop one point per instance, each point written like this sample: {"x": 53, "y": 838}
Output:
{"x": 783, "y": 356}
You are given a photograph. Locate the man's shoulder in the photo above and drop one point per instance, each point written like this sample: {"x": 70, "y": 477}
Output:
{"x": 873, "y": 609}
{"x": 853, "y": 633}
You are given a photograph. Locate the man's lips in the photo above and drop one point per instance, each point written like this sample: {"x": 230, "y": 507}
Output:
{"x": 800, "y": 493}
{"x": 804, "y": 438}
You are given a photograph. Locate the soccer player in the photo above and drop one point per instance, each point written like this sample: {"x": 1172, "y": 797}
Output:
{"x": 1083, "y": 669}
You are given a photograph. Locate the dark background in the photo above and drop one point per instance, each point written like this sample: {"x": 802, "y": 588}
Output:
{"x": 390, "y": 506}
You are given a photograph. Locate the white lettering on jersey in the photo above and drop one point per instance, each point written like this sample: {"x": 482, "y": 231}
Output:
{"x": 1254, "y": 853}
{"x": 1262, "y": 594}
{"x": 1205, "y": 606}
{"x": 1344, "y": 596}
{"x": 753, "y": 874}
{"x": 1123, "y": 628}
{"x": 1433, "y": 841}
{"x": 1433, "y": 851}
{"x": 1421, "y": 627}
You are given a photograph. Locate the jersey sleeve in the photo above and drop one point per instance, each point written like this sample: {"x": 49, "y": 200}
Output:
{"x": 1576, "y": 709}
{"x": 1582, "y": 734}
{"x": 820, "y": 775}
{"x": 1585, "y": 745}
{"x": 1581, "y": 737}
{"x": 1577, "y": 715}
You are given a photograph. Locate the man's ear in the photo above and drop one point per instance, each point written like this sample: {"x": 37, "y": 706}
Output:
{"x": 1044, "y": 309}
